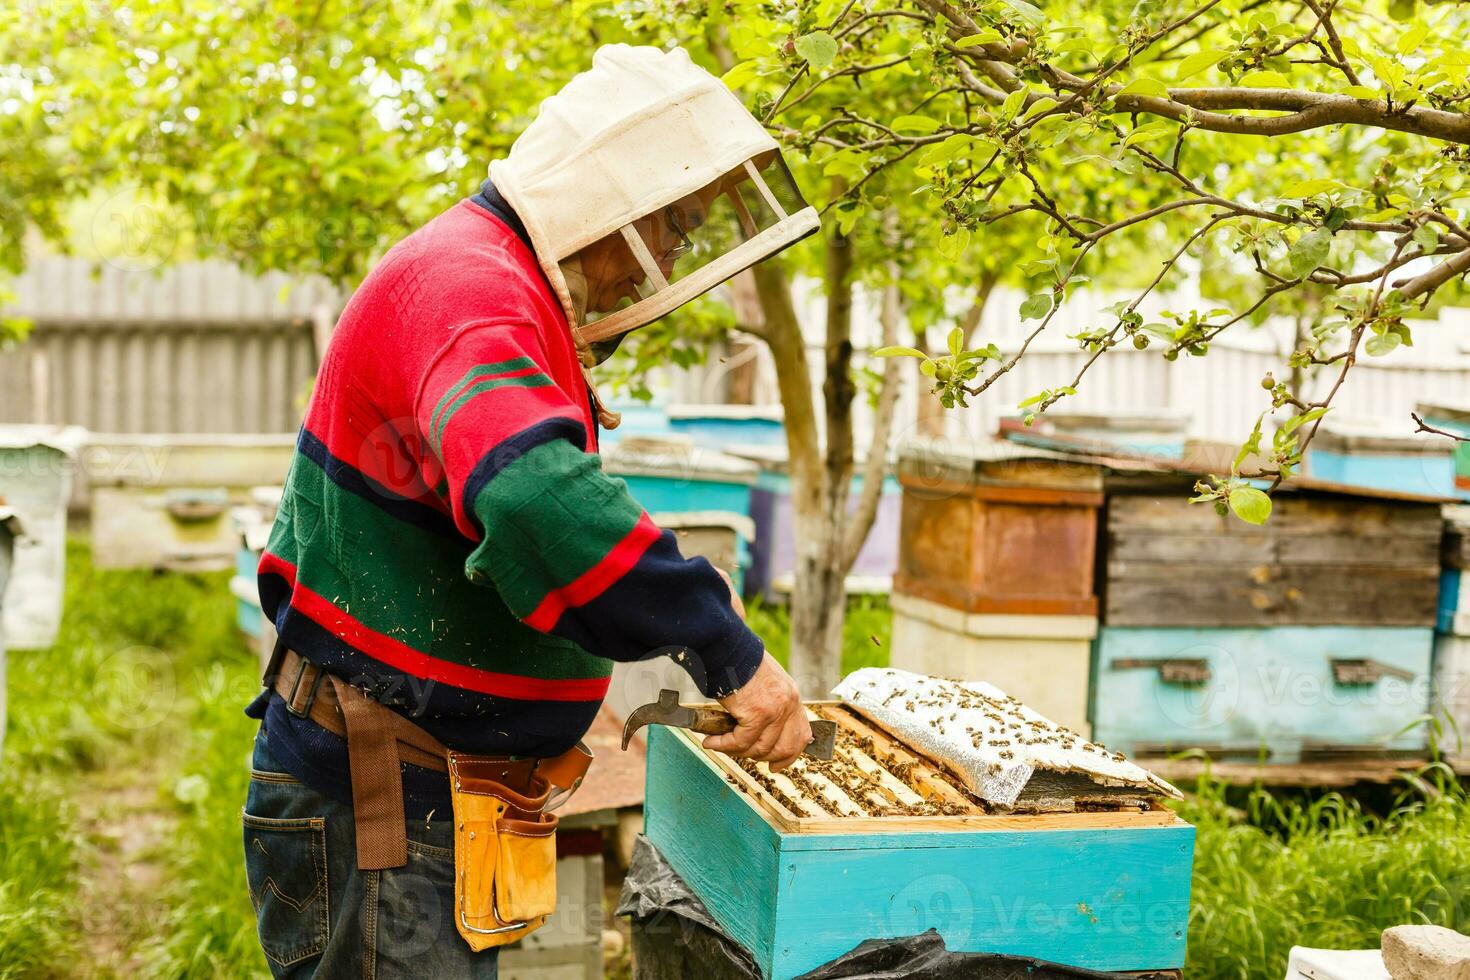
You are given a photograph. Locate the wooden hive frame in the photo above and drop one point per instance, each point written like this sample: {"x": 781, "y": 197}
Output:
{"x": 899, "y": 776}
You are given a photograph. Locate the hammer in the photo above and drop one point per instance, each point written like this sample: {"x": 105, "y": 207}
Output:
{"x": 706, "y": 719}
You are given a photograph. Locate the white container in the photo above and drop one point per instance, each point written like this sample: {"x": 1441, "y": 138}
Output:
{"x": 37, "y": 466}
{"x": 1335, "y": 964}
{"x": 1045, "y": 661}
{"x": 164, "y": 501}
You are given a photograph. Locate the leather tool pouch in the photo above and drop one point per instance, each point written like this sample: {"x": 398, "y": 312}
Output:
{"x": 504, "y": 849}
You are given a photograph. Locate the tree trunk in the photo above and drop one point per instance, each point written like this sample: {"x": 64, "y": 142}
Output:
{"x": 819, "y": 593}
{"x": 817, "y": 606}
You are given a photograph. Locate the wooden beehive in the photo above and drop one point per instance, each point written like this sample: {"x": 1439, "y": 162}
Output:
{"x": 800, "y": 867}
{"x": 995, "y": 571}
{"x": 999, "y": 529}
{"x": 1324, "y": 558}
{"x": 1308, "y": 638}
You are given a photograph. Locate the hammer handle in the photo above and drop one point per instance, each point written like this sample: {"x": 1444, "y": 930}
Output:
{"x": 711, "y": 721}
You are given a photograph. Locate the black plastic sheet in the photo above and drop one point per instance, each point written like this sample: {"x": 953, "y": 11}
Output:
{"x": 674, "y": 937}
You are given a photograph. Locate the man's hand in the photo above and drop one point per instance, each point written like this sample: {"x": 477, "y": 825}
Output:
{"x": 770, "y": 721}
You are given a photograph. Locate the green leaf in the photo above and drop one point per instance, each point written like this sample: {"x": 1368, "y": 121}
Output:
{"x": 1382, "y": 343}
{"x": 898, "y": 352}
{"x": 1410, "y": 40}
{"x": 988, "y": 36}
{"x": 1161, "y": 129}
{"x": 846, "y": 163}
{"x": 817, "y": 49}
{"x": 1297, "y": 421}
{"x": 1309, "y": 251}
{"x": 1310, "y": 188}
{"x": 1251, "y": 445}
{"x": 1426, "y": 237}
{"x": 741, "y": 73}
{"x": 1250, "y": 505}
{"x": 956, "y": 340}
{"x": 914, "y": 124}
{"x": 1038, "y": 107}
{"x": 1143, "y": 85}
{"x": 951, "y": 247}
{"x": 1013, "y": 103}
{"x": 1030, "y": 13}
{"x": 1198, "y": 62}
{"x": 1036, "y": 306}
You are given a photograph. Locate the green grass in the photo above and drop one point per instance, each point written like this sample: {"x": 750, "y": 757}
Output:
{"x": 210, "y": 930}
{"x": 38, "y": 878}
{"x": 147, "y": 682}
{"x": 865, "y": 634}
{"x": 1321, "y": 872}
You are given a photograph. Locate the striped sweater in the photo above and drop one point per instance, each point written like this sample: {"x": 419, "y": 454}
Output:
{"x": 447, "y": 539}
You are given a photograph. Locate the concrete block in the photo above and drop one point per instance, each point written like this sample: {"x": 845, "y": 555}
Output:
{"x": 1426, "y": 953}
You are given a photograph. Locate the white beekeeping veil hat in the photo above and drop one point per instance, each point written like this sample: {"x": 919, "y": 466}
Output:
{"x": 647, "y": 167}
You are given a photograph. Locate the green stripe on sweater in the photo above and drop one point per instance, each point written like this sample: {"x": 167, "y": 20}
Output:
{"x": 457, "y": 394}
{"x": 480, "y": 371}
{"x": 408, "y": 583}
{"x": 524, "y": 381}
{"x": 551, "y": 503}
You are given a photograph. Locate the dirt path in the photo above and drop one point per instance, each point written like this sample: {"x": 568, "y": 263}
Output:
{"x": 128, "y": 822}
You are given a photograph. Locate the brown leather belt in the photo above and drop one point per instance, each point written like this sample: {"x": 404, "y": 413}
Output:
{"x": 380, "y": 739}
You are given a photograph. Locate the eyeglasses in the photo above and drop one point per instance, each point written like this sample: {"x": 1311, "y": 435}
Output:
{"x": 684, "y": 245}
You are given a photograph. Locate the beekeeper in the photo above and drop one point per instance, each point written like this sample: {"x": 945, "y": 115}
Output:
{"x": 452, "y": 575}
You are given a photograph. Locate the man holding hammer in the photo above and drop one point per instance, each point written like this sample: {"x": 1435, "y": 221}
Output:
{"x": 451, "y": 573}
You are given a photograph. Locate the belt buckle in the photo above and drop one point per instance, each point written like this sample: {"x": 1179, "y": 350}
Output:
{"x": 310, "y": 695}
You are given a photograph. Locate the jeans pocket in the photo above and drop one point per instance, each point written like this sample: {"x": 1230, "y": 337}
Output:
{"x": 286, "y": 865}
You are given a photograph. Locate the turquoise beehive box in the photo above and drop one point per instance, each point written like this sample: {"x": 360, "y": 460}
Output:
{"x": 1103, "y": 890}
{"x": 669, "y": 473}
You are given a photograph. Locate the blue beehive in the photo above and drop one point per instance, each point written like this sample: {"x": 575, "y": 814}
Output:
{"x": 726, "y": 426}
{"x": 672, "y": 474}
{"x": 1454, "y": 419}
{"x": 1282, "y": 692}
{"x": 1104, "y": 890}
{"x": 700, "y": 493}
{"x": 1383, "y": 454}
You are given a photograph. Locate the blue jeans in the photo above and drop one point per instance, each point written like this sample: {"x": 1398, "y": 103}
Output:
{"x": 320, "y": 917}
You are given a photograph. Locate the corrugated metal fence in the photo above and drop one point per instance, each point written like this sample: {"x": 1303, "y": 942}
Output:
{"x": 196, "y": 348}
{"x": 204, "y": 348}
